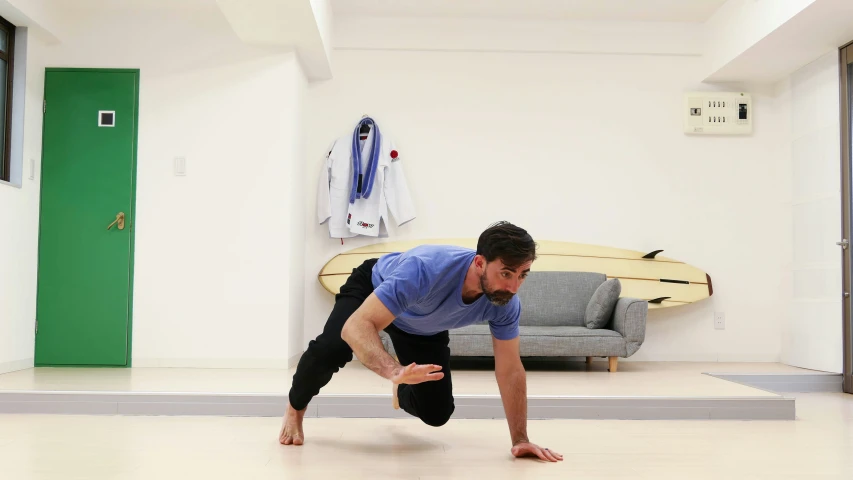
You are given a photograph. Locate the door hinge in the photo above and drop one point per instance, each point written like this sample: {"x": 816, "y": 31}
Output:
{"x": 44, "y": 106}
{"x": 37, "y": 326}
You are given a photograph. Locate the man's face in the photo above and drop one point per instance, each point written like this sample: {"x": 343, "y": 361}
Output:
{"x": 501, "y": 282}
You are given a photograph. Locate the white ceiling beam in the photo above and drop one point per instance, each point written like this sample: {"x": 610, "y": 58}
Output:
{"x": 301, "y": 25}
{"x": 764, "y": 41}
{"x": 40, "y": 16}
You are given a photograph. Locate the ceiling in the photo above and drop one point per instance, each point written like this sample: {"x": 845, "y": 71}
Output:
{"x": 599, "y": 10}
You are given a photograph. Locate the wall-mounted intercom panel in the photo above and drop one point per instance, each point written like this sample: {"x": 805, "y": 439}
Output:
{"x": 718, "y": 113}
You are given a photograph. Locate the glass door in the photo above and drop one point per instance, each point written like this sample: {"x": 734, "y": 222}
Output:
{"x": 846, "y": 71}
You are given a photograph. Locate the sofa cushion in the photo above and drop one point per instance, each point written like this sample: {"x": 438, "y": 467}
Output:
{"x": 540, "y": 331}
{"x": 557, "y": 298}
{"x": 599, "y": 311}
{"x": 475, "y": 340}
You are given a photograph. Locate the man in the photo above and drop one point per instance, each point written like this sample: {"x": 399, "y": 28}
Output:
{"x": 416, "y": 297}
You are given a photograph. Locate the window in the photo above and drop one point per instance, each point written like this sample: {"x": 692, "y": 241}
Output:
{"x": 7, "y": 46}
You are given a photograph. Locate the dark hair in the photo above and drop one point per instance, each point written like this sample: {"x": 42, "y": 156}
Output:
{"x": 512, "y": 244}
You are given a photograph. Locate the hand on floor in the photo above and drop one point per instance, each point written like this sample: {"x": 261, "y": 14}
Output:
{"x": 527, "y": 449}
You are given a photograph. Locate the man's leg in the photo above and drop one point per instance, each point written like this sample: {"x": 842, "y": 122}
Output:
{"x": 326, "y": 354}
{"x": 432, "y": 402}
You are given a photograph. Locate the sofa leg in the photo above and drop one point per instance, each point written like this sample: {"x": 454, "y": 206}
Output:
{"x": 614, "y": 361}
{"x": 588, "y": 360}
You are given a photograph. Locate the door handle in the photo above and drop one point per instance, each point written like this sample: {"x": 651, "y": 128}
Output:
{"x": 119, "y": 220}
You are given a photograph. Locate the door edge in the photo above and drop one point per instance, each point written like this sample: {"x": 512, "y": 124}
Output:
{"x": 131, "y": 272}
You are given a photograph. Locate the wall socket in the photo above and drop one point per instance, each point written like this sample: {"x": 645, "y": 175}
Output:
{"x": 719, "y": 320}
{"x": 180, "y": 166}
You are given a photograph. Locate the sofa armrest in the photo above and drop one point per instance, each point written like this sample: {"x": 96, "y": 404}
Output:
{"x": 629, "y": 319}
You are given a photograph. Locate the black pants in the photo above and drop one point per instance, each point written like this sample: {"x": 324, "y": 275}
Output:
{"x": 430, "y": 401}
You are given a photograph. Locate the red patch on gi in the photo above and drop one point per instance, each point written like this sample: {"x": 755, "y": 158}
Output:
{"x": 394, "y": 153}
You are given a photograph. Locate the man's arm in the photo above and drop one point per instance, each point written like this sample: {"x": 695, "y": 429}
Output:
{"x": 512, "y": 383}
{"x": 361, "y": 332}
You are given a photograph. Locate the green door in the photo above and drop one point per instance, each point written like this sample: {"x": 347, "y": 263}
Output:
{"x": 85, "y": 254}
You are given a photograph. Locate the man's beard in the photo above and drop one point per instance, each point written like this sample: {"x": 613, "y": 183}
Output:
{"x": 497, "y": 297}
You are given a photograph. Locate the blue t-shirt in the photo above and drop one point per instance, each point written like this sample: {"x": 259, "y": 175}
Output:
{"x": 423, "y": 289}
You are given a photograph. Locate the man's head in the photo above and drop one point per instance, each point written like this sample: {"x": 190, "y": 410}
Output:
{"x": 504, "y": 255}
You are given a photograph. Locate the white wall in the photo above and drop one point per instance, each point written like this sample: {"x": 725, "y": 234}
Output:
{"x": 212, "y": 283}
{"x": 19, "y": 206}
{"x": 517, "y": 35}
{"x": 589, "y": 127}
{"x": 812, "y": 334}
{"x": 597, "y": 139}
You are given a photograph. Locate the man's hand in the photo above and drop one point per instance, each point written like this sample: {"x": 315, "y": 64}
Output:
{"x": 414, "y": 373}
{"x": 527, "y": 449}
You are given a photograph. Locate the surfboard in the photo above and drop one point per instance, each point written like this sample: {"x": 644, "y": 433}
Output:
{"x": 661, "y": 281}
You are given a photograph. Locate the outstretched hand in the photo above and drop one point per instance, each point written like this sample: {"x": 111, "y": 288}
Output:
{"x": 414, "y": 373}
{"x": 527, "y": 449}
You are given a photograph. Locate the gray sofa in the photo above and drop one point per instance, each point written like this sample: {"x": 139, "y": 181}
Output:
{"x": 553, "y": 305}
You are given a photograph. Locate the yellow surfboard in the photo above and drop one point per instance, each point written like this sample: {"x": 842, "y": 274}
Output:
{"x": 661, "y": 281}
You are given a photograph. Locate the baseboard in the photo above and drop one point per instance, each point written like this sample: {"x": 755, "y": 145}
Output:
{"x": 16, "y": 365}
{"x": 641, "y": 356}
{"x": 748, "y": 357}
{"x": 379, "y": 406}
{"x": 294, "y": 360}
{"x": 787, "y": 383}
{"x": 235, "y": 363}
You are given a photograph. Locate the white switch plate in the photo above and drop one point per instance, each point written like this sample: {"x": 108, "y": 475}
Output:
{"x": 719, "y": 320}
{"x": 718, "y": 113}
{"x": 180, "y": 166}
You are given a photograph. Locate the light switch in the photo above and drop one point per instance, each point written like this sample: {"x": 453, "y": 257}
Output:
{"x": 180, "y": 166}
{"x": 32, "y": 168}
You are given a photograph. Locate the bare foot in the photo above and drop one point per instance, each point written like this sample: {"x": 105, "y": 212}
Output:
{"x": 395, "y": 400}
{"x": 291, "y": 428}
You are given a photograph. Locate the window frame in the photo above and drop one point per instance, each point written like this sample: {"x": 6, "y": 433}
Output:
{"x": 9, "y": 57}
{"x": 846, "y": 63}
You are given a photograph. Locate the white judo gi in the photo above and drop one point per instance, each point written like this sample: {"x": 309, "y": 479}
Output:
{"x": 388, "y": 190}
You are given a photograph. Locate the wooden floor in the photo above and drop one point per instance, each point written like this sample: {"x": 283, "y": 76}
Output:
{"x": 816, "y": 446}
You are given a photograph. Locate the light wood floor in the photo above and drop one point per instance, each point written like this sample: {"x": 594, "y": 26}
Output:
{"x": 665, "y": 379}
{"x": 816, "y": 446}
